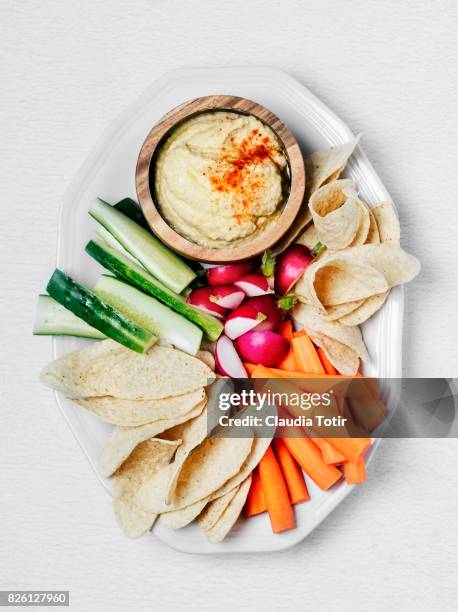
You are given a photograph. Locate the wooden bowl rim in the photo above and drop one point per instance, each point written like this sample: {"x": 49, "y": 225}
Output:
{"x": 176, "y": 241}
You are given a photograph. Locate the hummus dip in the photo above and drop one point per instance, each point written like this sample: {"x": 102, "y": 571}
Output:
{"x": 221, "y": 178}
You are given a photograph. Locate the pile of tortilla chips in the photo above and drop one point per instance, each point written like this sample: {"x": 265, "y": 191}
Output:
{"x": 361, "y": 262}
{"x": 160, "y": 456}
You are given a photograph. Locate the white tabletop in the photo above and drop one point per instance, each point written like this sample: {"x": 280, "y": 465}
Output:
{"x": 68, "y": 68}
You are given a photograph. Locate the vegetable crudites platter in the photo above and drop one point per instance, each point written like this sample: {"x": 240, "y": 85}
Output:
{"x": 246, "y": 254}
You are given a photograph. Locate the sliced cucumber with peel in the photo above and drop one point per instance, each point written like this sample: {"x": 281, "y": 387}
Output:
{"x": 53, "y": 319}
{"x": 98, "y": 314}
{"x": 121, "y": 266}
{"x": 149, "y": 313}
{"x": 139, "y": 242}
{"x": 105, "y": 235}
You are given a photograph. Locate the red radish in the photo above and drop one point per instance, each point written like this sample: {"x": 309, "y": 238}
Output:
{"x": 262, "y": 347}
{"x": 290, "y": 267}
{"x": 227, "y": 296}
{"x": 227, "y": 275}
{"x": 241, "y": 320}
{"x": 228, "y": 362}
{"x": 254, "y": 284}
{"x": 267, "y": 305}
{"x": 201, "y": 299}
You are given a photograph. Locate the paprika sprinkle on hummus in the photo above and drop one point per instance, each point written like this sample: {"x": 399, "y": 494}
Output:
{"x": 221, "y": 178}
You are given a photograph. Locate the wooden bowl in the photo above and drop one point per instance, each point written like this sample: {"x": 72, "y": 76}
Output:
{"x": 179, "y": 243}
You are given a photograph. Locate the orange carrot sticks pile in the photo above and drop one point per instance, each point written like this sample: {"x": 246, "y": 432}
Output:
{"x": 278, "y": 482}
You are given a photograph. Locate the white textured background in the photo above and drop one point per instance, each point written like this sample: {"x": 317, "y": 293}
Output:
{"x": 67, "y": 69}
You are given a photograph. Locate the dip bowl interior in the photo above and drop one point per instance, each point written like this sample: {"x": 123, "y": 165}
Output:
{"x": 244, "y": 249}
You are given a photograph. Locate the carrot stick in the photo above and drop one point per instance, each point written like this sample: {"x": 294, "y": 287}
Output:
{"x": 261, "y": 371}
{"x": 255, "y": 501}
{"x": 309, "y": 458}
{"x": 306, "y": 356}
{"x": 292, "y": 473}
{"x": 249, "y": 367}
{"x": 330, "y": 455}
{"x": 280, "y": 510}
{"x": 286, "y": 330}
{"x": 327, "y": 365}
{"x": 298, "y": 334}
{"x": 355, "y": 471}
{"x": 288, "y": 363}
{"x": 351, "y": 448}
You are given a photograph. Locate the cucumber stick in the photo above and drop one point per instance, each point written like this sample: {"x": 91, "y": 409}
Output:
{"x": 105, "y": 235}
{"x": 98, "y": 314}
{"x": 139, "y": 242}
{"x": 150, "y": 313}
{"x": 115, "y": 262}
{"x": 53, "y": 319}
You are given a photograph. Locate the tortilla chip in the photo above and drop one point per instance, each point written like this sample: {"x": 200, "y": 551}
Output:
{"x": 191, "y": 434}
{"x": 373, "y": 236}
{"x": 107, "y": 368}
{"x": 215, "y": 509}
{"x": 227, "y": 520}
{"x": 387, "y": 223}
{"x": 205, "y": 470}
{"x": 256, "y": 454}
{"x": 339, "y": 311}
{"x": 325, "y": 166}
{"x": 363, "y": 224}
{"x": 396, "y": 265}
{"x": 336, "y": 279}
{"x": 123, "y": 440}
{"x": 148, "y": 458}
{"x": 336, "y": 213}
{"x": 177, "y": 519}
{"x": 365, "y": 311}
{"x": 132, "y": 413}
{"x": 343, "y": 345}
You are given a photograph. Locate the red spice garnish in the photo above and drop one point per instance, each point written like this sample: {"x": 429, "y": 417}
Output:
{"x": 231, "y": 173}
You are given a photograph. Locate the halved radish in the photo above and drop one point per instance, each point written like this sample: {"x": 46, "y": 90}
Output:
{"x": 264, "y": 347}
{"x": 201, "y": 299}
{"x": 227, "y": 296}
{"x": 227, "y": 275}
{"x": 290, "y": 266}
{"x": 267, "y": 305}
{"x": 241, "y": 320}
{"x": 228, "y": 363}
{"x": 254, "y": 284}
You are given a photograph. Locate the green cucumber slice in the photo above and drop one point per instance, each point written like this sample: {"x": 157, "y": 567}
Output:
{"x": 115, "y": 262}
{"x": 139, "y": 242}
{"x": 105, "y": 235}
{"x": 53, "y": 319}
{"x": 150, "y": 313}
{"x": 86, "y": 305}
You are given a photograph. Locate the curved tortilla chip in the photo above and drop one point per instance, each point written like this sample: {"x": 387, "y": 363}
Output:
{"x": 205, "y": 470}
{"x": 336, "y": 279}
{"x": 387, "y": 223}
{"x": 227, "y": 520}
{"x": 148, "y": 458}
{"x": 363, "y": 224}
{"x": 177, "y": 519}
{"x": 373, "y": 235}
{"x": 107, "y": 368}
{"x": 343, "y": 345}
{"x": 326, "y": 165}
{"x": 336, "y": 214}
{"x": 123, "y": 440}
{"x": 132, "y": 413}
{"x": 214, "y": 510}
{"x": 396, "y": 265}
{"x": 365, "y": 311}
{"x": 339, "y": 311}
